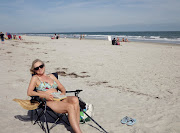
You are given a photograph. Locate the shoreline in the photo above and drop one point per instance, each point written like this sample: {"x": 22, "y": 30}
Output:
{"x": 142, "y": 36}
{"x": 154, "y": 43}
{"x": 140, "y": 42}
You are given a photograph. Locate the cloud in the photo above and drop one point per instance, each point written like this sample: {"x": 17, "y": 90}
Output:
{"x": 44, "y": 15}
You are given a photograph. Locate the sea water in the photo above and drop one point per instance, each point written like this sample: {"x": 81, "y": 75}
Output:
{"x": 138, "y": 36}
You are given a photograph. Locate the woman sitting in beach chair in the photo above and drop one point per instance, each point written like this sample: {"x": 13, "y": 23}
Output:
{"x": 46, "y": 88}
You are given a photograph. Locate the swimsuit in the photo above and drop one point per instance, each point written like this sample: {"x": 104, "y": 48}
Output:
{"x": 44, "y": 86}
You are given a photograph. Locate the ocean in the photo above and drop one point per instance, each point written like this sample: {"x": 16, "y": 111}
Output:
{"x": 139, "y": 36}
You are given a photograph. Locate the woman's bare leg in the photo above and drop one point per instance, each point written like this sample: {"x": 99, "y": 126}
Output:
{"x": 75, "y": 101}
{"x": 63, "y": 107}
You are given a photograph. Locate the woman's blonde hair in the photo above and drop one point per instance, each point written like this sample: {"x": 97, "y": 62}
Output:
{"x": 32, "y": 67}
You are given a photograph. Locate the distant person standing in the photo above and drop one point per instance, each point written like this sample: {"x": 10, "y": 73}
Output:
{"x": 2, "y": 37}
{"x": 57, "y": 37}
{"x": 80, "y": 37}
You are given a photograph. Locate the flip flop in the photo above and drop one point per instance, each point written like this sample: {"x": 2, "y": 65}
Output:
{"x": 125, "y": 120}
{"x": 131, "y": 122}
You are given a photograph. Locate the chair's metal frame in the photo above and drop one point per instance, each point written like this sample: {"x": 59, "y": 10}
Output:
{"x": 44, "y": 112}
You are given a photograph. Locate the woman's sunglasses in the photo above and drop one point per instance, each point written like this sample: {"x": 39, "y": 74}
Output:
{"x": 37, "y": 68}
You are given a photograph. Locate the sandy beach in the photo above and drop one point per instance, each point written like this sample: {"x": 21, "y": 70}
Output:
{"x": 139, "y": 80}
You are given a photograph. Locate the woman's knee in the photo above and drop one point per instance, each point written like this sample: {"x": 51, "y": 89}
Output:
{"x": 75, "y": 100}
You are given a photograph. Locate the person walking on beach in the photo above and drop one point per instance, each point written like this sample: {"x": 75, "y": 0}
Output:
{"x": 46, "y": 85}
{"x": 2, "y": 37}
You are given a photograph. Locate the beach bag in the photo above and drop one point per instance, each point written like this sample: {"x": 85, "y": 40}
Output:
{"x": 89, "y": 110}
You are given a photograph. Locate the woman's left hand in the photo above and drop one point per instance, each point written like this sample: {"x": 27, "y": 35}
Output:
{"x": 63, "y": 93}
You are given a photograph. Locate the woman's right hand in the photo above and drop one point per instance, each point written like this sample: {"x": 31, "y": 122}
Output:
{"x": 48, "y": 97}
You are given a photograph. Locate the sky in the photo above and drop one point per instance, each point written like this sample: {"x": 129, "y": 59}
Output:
{"x": 37, "y": 16}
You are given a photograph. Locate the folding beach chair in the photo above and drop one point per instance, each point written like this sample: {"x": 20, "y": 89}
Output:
{"x": 43, "y": 111}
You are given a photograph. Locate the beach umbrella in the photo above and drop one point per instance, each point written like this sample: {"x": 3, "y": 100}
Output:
{"x": 7, "y": 33}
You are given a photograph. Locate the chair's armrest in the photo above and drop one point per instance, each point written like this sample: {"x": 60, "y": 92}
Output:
{"x": 76, "y": 92}
{"x": 34, "y": 99}
{"x": 37, "y": 99}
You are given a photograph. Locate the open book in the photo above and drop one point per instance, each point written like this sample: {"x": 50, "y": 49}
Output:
{"x": 58, "y": 97}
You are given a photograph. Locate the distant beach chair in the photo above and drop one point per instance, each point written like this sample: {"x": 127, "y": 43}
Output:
{"x": 109, "y": 38}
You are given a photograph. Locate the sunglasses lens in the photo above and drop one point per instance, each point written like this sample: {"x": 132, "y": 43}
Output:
{"x": 37, "y": 68}
{"x": 41, "y": 66}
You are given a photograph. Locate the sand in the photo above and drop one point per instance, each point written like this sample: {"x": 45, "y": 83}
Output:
{"x": 139, "y": 80}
